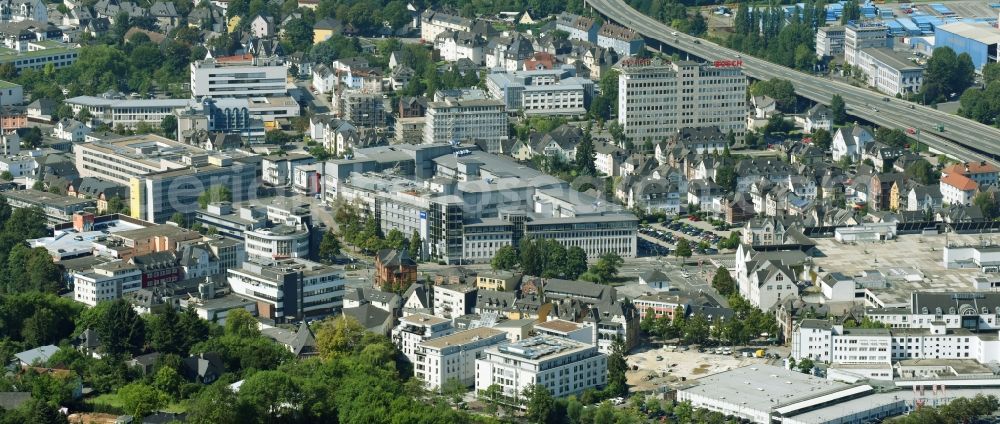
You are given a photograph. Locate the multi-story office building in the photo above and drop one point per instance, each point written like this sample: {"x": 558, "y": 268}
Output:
{"x": 656, "y": 98}
{"x": 565, "y": 367}
{"x": 120, "y": 159}
{"x": 542, "y": 92}
{"x": 39, "y": 54}
{"x": 247, "y": 117}
{"x": 289, "y": 289}
{"x": 821, "y": 341}
{"x": 238, "y": 76}
{"x": 614, "y": 232}
{"x": 127, "y": 112}
{"x": 57, "y": 208}
{"x": 863, "y": 35}
{"x": 108, "y": 281}
{"x": 890, "y": 72}
{"x": 415, "y": 329}
{"x": 469, "y": 116}
{"x": 275, "y": 243}
{"x": 157, "y": 196}
{"x": 829, "y": 41}
{"x": 453, "y": 357}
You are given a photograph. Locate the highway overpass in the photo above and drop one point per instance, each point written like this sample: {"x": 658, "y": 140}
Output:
{"x": 963, "y": 139}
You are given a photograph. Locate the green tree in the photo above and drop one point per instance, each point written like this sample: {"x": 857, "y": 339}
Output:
{"x": 838, "y": 109}
{"x": 213, "y": 405}
{"x": 270, "y": 394}
{"x": 725, "y": 176}
{"x": 240, "y": 323}
{"x": 617, "y": 366}
{"x": 215, "y": 193}
{"x": 139, "y": 399}
{"x": 781, "y": 90}
{"x": 805, "y": 365}
{"x": 339, "y": 336}
{"x": 32, "y": 137}
{"x": 6, "y": 176}
{"x": 168, "y": 382}
{"x": 179, "y": 219}
{"x": 540, "y": 403}
{"x": 121, "y": 330}
{"x": 987, "y": 204}
{"x": 505, "y": 259}
{"x": 723, "y": 281}
{"x": 395, "y": 239}
{"x": 415, "y": 243}
{"x": 922, "y": 172}
{"x": 586, "y": 155}
{"x": 606, "y": 267}
{"x": 492, "y": 397}
{"x": 576, "y": 262}
{"x": 696, "y": 329}
{"x": 822, "y": 139}
{"x": 683, "y": 249}
{"x": 329, "y": 247}
{"x": 946, "y": 73}
{"x": 169, "y": 126}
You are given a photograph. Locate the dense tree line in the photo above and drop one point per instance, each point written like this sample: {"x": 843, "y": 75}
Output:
{"x": 960, "y": 410}
{"x": 542, "y": 257}
{"x": 765, "y": 33}
{"x": 983, "y": 104}
{"x": 746, "y": 324}
{"x": 674, "y": 14}
{"x": 947, "y": 74}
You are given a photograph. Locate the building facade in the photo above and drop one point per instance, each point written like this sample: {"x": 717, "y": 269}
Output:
{"x": 290, "y": 289}
{"x": 565, "y": 367}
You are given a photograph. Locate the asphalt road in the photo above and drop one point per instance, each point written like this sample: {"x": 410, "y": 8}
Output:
{"x": 963, "y": 139}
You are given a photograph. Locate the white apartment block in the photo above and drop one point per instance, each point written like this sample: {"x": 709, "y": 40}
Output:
{"x": 974, "y": 311}
{"x": 415, "y": 329}
{"x": 656, "y": 98}
{"x": 820, "y": 341}
{"x": 434, "y": 23}
{"x": 957, "y": 189}
{"x": 565, "y": 367}
{"x": 453, "y": 300}
{"x": 462, "y": 119}
{"x": 127, "y": 112}
{"x": 107, "y": 281}
{"x": 276, "y": 243}
{"x": 863, "y": 35}
{"x": 455, "y": 45}
{"x": 238, "y": 76}
{"x": 890, "y": 72}
{"x": 453, "y": 357}
{"x": 290, "y": 289}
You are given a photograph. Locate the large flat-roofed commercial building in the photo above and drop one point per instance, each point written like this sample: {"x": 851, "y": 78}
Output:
{"x": 39, "y": 54}
{"x": 466, "y": 117}
{"x": 542, "y": 92}
{"x": 238, "y": 76}
{"x": 890, "y": 72}
{"x": 453, "y": 357}
{"x": 108, "y": 281}
{"x": 656, "y": 98}
{"x": 979, "y": 40}
{"x": 157, "y": 196}
{"x": 128, "y": 113}
{"x": 57, "y": 208}
{"x": 165, "y": 176}
{"x": 596, "y": 234}
{"x": 766, "y": 394}
{"x": 565, "y": 367}
{"x": 863, "y": 35}
{"x": 289, "y": 288}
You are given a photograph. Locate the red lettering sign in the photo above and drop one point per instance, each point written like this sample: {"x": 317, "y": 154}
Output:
{"x": 728, "y": 63}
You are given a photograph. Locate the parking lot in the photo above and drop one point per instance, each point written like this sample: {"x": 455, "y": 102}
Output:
{"x": 668, "y": 234}
{"x": 666, "y": 366}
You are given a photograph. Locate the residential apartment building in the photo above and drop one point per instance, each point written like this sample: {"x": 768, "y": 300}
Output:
{"x": 542, "y": 92}
{"x": 289, "y": 289}
{"x": 453, "y": 357}
{"x": 860, "y": 36}
{"x": 890, "y": 72}
{"x": 108, "y": 281}
{"x": 625, "y": 41}
{"x": 578, "y": 27}
{"x": 414, "y": 329}
{"x": 238, "y": 76}
{"x": 656, "y": 98}
{"x": 957, "y": 189}
{"x": 434, "y": 23}
{"x": 565, "y": 367}
{"x": 453, "y": 300}
{"x": 466, "y": 117}
{"x": 982, "y": 173}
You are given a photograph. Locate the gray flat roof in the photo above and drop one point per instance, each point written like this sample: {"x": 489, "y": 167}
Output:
{"x": 894, "y": 59}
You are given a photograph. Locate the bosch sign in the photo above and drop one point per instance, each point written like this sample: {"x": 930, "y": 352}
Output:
{"x": 728, "y": 63}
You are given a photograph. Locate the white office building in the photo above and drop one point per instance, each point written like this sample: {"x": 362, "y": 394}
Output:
{"x": 542, "y": 92}
{"x": 565, "y": 367}
{"x": 278, "y": 242}
{"x": 105, "y": 282}
{"x": 290, "y": 289}
{"x": 127, "y": 112}
{"x": 656, "y": 98}
{"x": 238, "y": 76}
{"x": 453, "y": 357}
{"x": 830, "y": 41}
{"x": 470, "y": 116}
{"x": 861, "y": 36}
{"x": 414, "y": 329}
{"x": 890, "y": 72}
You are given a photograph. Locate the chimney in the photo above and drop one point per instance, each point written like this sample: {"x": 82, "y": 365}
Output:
{"x": 83, "y": 221}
